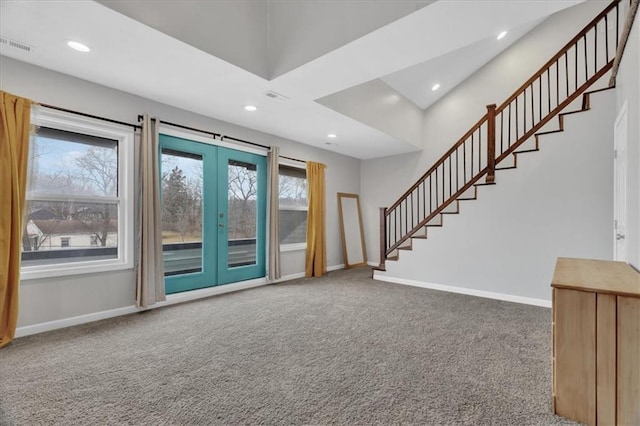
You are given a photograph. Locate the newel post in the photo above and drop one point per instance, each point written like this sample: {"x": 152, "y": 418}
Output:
{"x": 383, "y": 237}
{"x": 491, "y": 143}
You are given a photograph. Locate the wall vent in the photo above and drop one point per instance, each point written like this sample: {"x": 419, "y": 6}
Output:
{"x": 275, "y": 95}
{"x": 15, "y": 44}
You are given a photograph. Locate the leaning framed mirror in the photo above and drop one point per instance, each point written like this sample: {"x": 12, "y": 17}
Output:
{"x": 353, "y": 248}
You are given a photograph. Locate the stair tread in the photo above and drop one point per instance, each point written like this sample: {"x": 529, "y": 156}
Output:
{"x": 572, "y": 112}
{"x": 602, "y": 89}
{"x": 549, "y": 132}
{"x": 526, "y": 150}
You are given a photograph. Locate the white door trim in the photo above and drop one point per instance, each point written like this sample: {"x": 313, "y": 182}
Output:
{"x": 620, "y": 144}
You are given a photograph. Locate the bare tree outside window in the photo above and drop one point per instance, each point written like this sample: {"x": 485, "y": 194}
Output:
{"x": 181, "y": 197}
{"x": 242, "y": 198}
{"x": 69, "y": 174}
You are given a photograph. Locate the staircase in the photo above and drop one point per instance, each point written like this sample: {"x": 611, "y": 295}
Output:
{"x": 503, "y": 133}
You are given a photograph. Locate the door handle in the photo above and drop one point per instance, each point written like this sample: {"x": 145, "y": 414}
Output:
{"x": 221, "y": 225}
{"x": 619, "y": 236}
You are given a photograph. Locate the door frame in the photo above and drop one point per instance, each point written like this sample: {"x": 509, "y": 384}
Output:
{"x": 620, "y": 144}
{"x": 234, "y": 278}
{"x": 227, "y": 274}
{"x": 207, "y": 276}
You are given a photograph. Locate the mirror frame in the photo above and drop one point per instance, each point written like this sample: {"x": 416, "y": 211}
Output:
{"x": 345, "y": 254}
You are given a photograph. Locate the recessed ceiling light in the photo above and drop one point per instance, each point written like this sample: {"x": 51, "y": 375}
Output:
{"x": 332, "y": 135}
{"x": 501, "y": 35}
{"x": 435, "y": 87}
{"x": 75, "y": 45}
{"x": 250, "y": 107}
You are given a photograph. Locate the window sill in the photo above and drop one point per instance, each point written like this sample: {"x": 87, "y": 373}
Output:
{"x": 58, "y": 270}
{"x": 293, "y": 247}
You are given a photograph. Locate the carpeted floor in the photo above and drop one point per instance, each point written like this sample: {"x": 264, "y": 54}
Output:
{"x": 343, "y": 349}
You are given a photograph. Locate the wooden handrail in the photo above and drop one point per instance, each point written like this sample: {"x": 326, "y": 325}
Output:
{"x": 436, "y": 212}
{"x": 553, "y": 113}
{"x": 398, "y": 222}
{"x": 558, "y": 55}
{"x": 439, "y": 162}
{"x": 623, "y": 40}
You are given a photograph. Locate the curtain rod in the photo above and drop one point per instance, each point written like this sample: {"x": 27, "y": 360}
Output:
{"x": 221, "y": 136}
{"x": 180, "y": 126}
{"x": 84, "y": 114}
{"x": 138, "y": 126}
{"x": 257, "y": 144}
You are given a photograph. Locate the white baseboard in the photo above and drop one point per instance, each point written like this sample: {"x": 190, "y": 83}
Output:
{"x": 335, "y": 267}
{"x": 28, "y": 330}
{"x": 302, "y": 274}
{"x": 467, "y": 291}
{"x": 172, "y": 299}
{"x": 289, "y": 277}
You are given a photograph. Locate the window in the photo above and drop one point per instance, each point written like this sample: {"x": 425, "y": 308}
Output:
{"x": 78, "y": 207}
{"x": 293, "y": 207}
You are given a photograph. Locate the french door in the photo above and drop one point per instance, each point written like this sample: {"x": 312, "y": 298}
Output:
{"x": 213, "y": 214}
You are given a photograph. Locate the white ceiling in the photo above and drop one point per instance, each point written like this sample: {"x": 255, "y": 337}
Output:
{"x": 323, "y": 54}
{"x": 452, "y": 68}
{"x": 268, "y": 37}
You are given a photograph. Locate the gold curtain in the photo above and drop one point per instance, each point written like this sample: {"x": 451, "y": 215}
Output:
{"x": 15, "y": 114}
{"x": 316, "y": 261}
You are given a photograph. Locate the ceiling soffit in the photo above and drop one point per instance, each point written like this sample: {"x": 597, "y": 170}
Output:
{"x": 266, "y": 38}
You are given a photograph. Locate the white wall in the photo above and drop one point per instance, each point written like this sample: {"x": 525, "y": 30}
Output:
{"x": 58, "y": 298}
{"x": 383, "y": 180}
{"x": 558, "y": 202}
{"x": 628, "y": 90}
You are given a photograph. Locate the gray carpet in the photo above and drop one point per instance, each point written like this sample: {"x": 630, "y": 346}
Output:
{"x": 343, "y": 349}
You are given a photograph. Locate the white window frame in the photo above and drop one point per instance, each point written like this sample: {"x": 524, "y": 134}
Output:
{"x": 46, "y": 117}
{"x": 293, "y": 246}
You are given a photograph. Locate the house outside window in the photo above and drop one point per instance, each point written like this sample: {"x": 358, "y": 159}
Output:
{"x": 79, "y": 211}
{"x": 293, "y": 207}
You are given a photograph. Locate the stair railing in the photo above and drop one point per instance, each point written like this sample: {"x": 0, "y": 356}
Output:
{"x": 578, "y": 65}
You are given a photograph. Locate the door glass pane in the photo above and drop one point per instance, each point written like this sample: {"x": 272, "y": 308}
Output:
{"x": 243, "y": 198}
{"x": 182, "y": 177}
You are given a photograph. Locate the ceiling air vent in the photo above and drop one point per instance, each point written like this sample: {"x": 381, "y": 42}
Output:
{"x": 274, "y": 95}
{"x": 15, "y": 44}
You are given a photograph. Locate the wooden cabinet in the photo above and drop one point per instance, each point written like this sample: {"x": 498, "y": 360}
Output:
{"x": 596, "y": 342}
